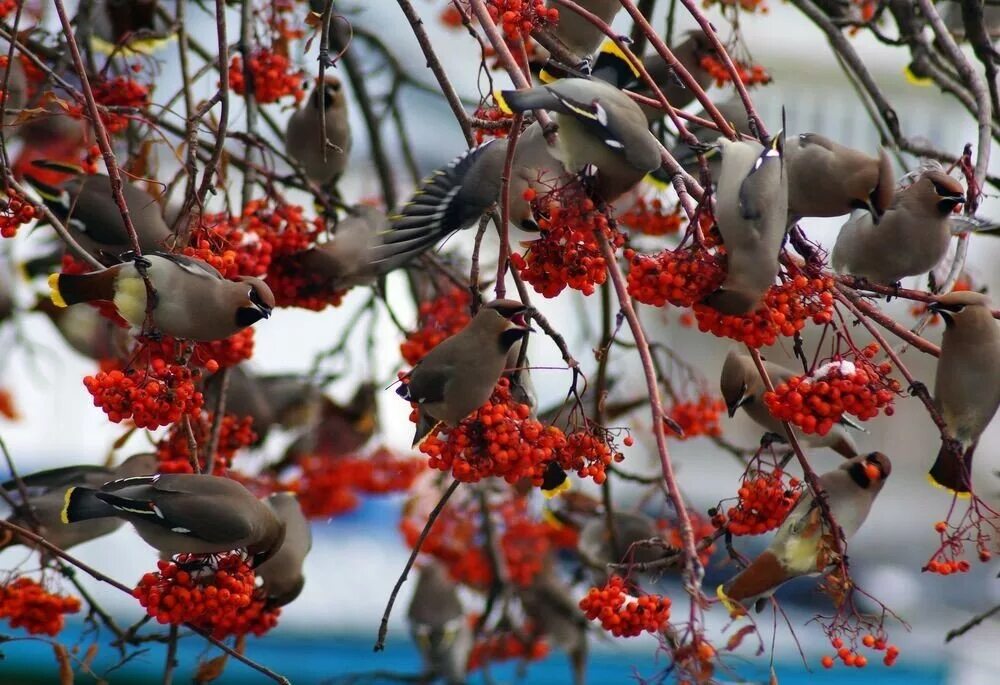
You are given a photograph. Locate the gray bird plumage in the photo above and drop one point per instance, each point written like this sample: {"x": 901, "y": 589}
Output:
{"x": 911, "y": 238}
{"x": 743, "y": 388}
{"x": 345, "y": 260}
{"x": 580, "y": 36}
{"x": 438, "y": 625}
{"x": 458, "y": 376}
{"x": 281, "y": 575}
{"x": 967, "y": 383}
{"x": 327, "y": 104}
{"x": 193, "y": 300}
{"x": 556, "y": 616}
{"x": 177, "y": 513}
{"x": 751, "y": 212}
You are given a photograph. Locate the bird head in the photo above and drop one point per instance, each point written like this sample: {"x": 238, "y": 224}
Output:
{"x": 258, "y": 303}
{"x": 733, "y": 382}
{"x": 508, "y": 318}
{"x": 329, "y": 93}
{"x": 944, "y": 191}
{"x": 952, "y": 307}
{"x": 869, "y": 470}
{"x": 270, "y": 543}
{"x": 876, "y": 198}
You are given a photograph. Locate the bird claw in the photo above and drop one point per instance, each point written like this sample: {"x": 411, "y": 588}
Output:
{"x": 917, "y": 388}
{"x": 769, "y": 439}
{"x": 141, "y": 263}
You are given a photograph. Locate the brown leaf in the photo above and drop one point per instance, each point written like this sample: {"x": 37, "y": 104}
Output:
{"x": 211, "y": 669}
{"x": 737, "y": 638}
{"x": 88, "y": 658}
{"x": 65, "y": 667}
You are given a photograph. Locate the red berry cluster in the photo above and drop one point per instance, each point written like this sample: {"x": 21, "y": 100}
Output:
{"x": 588, "y": 452}
{"x": 7, "y": 406}
{"x": 750, "y": 74}
{"x": 680, "y": 277}
{"x": 230, "y": 351}
{"x": 152, "y": 397}
{"x": 24, "y": 603}
{"x": 272, "y": 74}
{"x": 622, "y": 614}
{"x": 567, "y": 253}
{"x": 497, "y": 123}
{"x": 173, "y": 450}
{"x": 7, "y": 7}
{"x": 786, "y": 309}
{"x": 764, "y": 500}
{"x": 815, "y": 403}
{"x": 851, "y": 657}
{"x": 214, "y": 593}
{"x": 15, "y": 212}
{"x": 450, "y": 16}
{"x": 699, "y": 417}
{"x": 652, "y": 217}
{"x": 119, "y": 92}
{"x": 945, "y": 560}
{"x": 221, "y": 242}
{"x": 519, "y": 18}
{"x": 439, "y": 318}
{"x": 328, "y": 487}
{"x": 505, "y": 645}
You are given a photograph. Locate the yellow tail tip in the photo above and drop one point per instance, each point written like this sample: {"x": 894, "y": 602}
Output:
{"x": 549, "y": 517}
{"x": 557, "y": 490}
{"x": 608, "y": 47}
{"x": 139, "y": 46}
{"x": 64, "y": 514}
{"x": 734, "y": 608}
{"x": 502, "y": 103}
{"x": 57, "y": 298}
{"x": 914, "y": 79}
{"x": 545, "y": 77}
{"x": 939, "y": 486}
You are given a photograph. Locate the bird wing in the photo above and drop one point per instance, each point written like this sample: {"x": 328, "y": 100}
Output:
{"x": 428, "y": 386}
{"x": 749, "y": 202}
{"x": 807, "y": 139}
{"x": 57, "y": 478}
{"x": 191, "y": 265}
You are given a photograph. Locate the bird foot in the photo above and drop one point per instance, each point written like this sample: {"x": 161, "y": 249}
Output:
{"x": 769, "y": 439}
{"x": 141, "y": 263}
{"x": 917, "y": 388}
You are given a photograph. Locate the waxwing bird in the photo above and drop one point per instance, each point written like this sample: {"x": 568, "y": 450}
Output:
{"x": 16, "y": 96}
{"x": 453, "y": 198}
{"x": 734, "y": 111}
{"x": 967, "y": 384}
{"x": 183, "y": 513}
{"x": 743, "y": 388}
{"x": 304, "y": 140}
{"x": 86, "y": 205}
{"x": 128, "y": 27}
{"x": 86, "y": 330}
{"x": 457, "y": 377}
{"x": 245, "y": 396}
{"x": 342, "y": 262}
{"x": 829, "y": 179}
{"x": 282, "y": 574}
{"x": 580, "y": 36}
{"x": 751, "y": 212}
{"x": 951, "y": 13}
{"x": 802, "y": 545}
{"x": 598, "y": 547}
{"x": 439, "y": 627}
{"x": 556, "y": 615}
{"x": 911, "y": 238}
{"x": 338, "y": 430}
{"x": 46, "y": 491}
{"x": 192, "y": 300}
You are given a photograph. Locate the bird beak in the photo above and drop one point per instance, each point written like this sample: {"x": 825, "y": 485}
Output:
{"x": 734, "y": 406}
{"x": 520, "y": 319}
{"x": 264, "y": 311}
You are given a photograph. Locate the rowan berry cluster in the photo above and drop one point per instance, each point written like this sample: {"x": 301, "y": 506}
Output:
{"x": 16, "y": 212}
{"x": 786, "y": 309}
{"x": 450, "y": 16}
{"x": 750, "y": 74}
{"x": 851, "y": 657}
{"x": 681, "y": 277}
{"x": 230, "y": 351}
{"x": 764, "y": 500}
{"x": 157, "y": 395}
{"x": 945, "y": 560}
{"x": 24, "y": 603}
{"x": 651, "y": 217}
{"x": 119, "y": 92}
{"x": 221, "y": 243}
{"x": 622, "y": 614}
{"x": 818, "y": 401}
{"x": 214, "y": 593}
{"x": 173, "y": 451}
{"x": 272, "y": 75}
{"x": 494, "y": 115}
{"x": 440, "y": 318}
{"x": 698, "y": 417}
{"x": 7, "y": 7}
{"x": 588, "y": 452}
{"x": 507, "y": 645}
{"x": 519, "y": 18}
{"x": 328, "y": 487}
{"x": 567, "y": 253}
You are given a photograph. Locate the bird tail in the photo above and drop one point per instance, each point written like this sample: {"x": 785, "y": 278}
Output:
{"x": 952, "y": 469}
{"x": 761, "y": 577}
{"x": 425, "y": 426}
{"x": 511, "y": 101}
{"x": 81, "y": 504}
{"x": 436, "y": 211}
{"x": 68, "y": 289}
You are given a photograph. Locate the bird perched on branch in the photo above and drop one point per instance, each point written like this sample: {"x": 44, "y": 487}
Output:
{"x": 458, "y": 376}
{"x": 804, "y": 544}
{"x": 183, "y": 513}
{"x": 829, "y": 179}
{"x": 967, "y": 384}
{"x": 128, "y": 27}
{"x": 603, "y": 136}
{"x": 281, "y": 575}
{"x": 191, "y": 299}
{"x": 46, "y": 491}
{"x": 343, "y": 261}
{"x": 324, "y": 158}
{"x": 743, "y": 388}
{"x": 751, "y": 212}
{"x": 438, "y": 625}
{"x": 910, "y": 239}
{"x": 599, "y": 545}
{"x": 86, "y": 205}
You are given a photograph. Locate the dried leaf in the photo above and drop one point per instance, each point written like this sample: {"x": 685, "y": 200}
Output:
{"x": 211, "y": 669}
{"x": 737, "y": 639}
{"x": 65, "y": 666}
{"x": 88, "y": 658}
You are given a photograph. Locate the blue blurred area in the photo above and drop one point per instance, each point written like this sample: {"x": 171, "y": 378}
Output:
{"x": 308, "y": 658}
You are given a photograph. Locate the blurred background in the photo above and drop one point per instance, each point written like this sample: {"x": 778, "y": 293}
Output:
{"x": 328, "y": 632}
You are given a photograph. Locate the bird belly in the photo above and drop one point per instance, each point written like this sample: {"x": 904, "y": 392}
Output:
{"x": 130, "y": 299}
{"x": 799, "y": 555}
